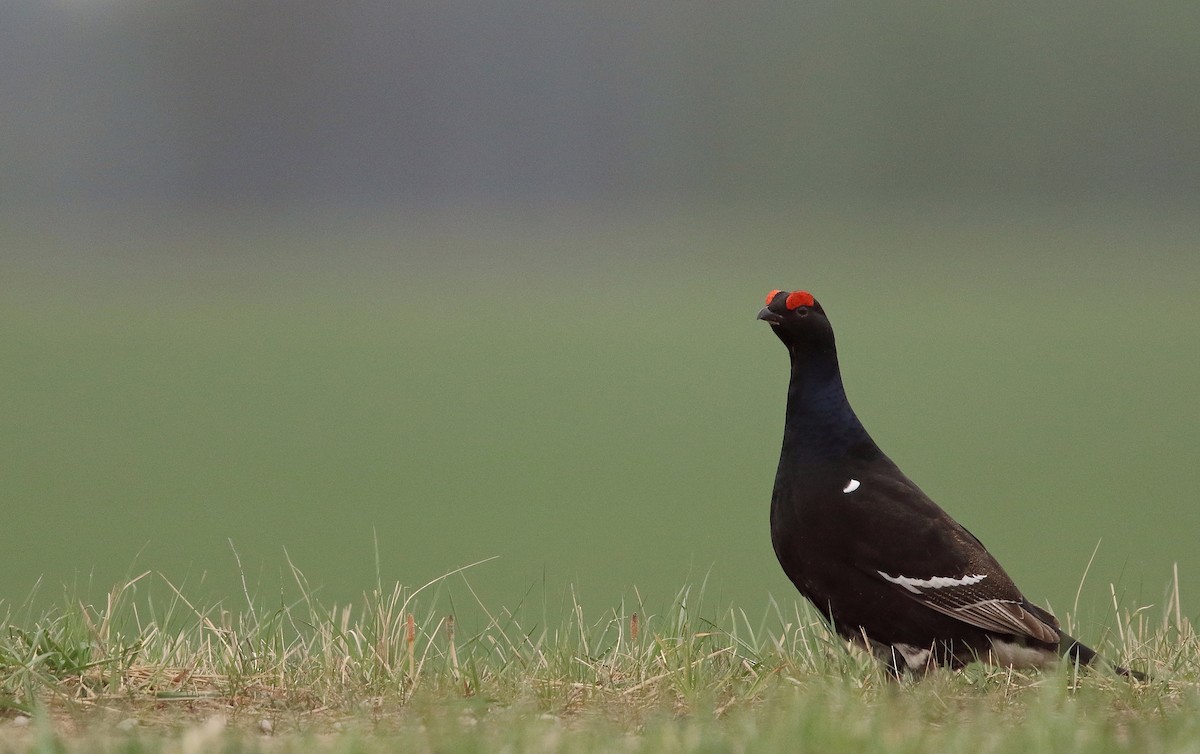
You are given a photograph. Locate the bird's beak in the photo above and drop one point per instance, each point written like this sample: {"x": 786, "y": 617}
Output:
{"x": 769, "y": 316}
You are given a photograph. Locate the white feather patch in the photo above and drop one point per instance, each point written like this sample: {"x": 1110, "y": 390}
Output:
{"x": 914, "y": 657}
{"x": 1012, "y": 654}
{"x": 851, "y": 486}
{"x": 936, "y": 582}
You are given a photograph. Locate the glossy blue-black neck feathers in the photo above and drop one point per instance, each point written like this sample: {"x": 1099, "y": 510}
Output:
{"x": 820, "y": 425}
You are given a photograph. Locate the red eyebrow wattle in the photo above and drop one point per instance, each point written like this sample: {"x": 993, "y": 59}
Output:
{"x": 797, "y": 299}
{"x": 771, "y": 296}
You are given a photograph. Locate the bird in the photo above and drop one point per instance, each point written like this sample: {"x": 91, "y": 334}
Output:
{"x": 883, "y": 563}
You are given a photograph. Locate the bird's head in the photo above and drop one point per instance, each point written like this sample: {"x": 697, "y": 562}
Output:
{"x": 799, "y": 321}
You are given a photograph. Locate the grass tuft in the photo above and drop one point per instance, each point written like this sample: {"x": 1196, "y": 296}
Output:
{"x": 398, "y": 662}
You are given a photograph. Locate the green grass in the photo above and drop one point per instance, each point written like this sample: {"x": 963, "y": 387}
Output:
{"x": 588, "y": 397}
{"x": 135, "y": 674}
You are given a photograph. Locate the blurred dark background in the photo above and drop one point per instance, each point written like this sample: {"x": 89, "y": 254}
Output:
{"x": 395, "y": 287}
{"x": 218, "y": 103}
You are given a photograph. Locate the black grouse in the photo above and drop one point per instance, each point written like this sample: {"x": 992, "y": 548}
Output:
{"x": 882, "y": 562}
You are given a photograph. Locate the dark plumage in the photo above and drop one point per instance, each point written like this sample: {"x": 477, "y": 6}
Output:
{"x": 881, "y": 561}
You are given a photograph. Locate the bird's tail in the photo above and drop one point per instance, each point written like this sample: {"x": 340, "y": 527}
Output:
{"x": 1081, "y": 654}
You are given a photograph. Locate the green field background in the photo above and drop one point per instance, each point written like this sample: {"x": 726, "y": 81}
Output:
{"x": 585, "y": 394}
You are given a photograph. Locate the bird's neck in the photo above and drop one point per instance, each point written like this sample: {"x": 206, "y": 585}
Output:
{"x": 820, "y": 424}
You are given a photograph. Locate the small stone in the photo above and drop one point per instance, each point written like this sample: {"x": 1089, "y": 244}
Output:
{"x": 266, "y": 726}
{"x": 20, "y": 721}
{"x": 127, "y": 725}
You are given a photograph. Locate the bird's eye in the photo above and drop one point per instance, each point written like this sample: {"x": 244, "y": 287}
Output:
{"x": 802, "y": 311}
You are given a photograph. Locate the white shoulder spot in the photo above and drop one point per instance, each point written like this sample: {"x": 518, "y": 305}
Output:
{"x": 851, "y": 486}
{"x": 936, "y": 582}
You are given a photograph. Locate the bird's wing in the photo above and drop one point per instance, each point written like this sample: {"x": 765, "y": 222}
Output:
{"x": 935, "y": 561}
{"x": 970, "y": 598}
